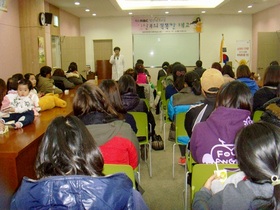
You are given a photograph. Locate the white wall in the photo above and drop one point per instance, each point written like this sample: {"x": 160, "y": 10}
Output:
{"x": 234, "y": 27}
{"x": 264, "y": 21}
{"x": 118, "y": 29}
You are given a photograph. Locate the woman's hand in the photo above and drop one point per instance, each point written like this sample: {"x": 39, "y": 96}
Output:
{"x": 208, "y": 183}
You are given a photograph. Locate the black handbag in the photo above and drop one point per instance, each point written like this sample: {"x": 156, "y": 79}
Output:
{"x": 157, "y": 143}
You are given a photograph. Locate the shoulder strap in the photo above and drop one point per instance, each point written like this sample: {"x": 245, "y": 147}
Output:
{"x": 199, "y": 116}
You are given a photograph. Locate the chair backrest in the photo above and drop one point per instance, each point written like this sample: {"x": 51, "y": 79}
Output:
{"x": 141, "y": 120}
{"x": 201, "y": 172}
{"x": 191, "y": 162}
{"x": 166, "y": 111}
{"x": 117, "y": 168}
{"x": 180, "y": 130}
{"x": 257, "y": 115}
{"x": 159, "y": 83}
{"x": 146, "y": 102}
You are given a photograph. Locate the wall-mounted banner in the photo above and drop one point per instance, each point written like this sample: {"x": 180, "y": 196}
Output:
{"x": 163, "y": 24}
{"x": 243, "y": 49}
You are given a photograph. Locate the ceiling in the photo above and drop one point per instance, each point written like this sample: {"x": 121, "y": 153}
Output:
{"x": 110, "y": 8}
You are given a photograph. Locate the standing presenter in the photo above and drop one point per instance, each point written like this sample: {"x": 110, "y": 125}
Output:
{"x": 117, "y": 61}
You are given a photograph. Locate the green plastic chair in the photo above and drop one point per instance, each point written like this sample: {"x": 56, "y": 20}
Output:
{"x": 165, "y": 122}
{"x": 117, "y": 168}
{"x": 257, "y": 115}
{"x": 201, "y": 172}
{"x": 191, "y": 162}
{"x": 179, "y": 131}
{"x": 141, "y": 120}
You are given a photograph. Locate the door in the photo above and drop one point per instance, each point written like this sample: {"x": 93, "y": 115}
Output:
{"x": 268, "y": 50}
{"x": 73, "y": 50}
{"x": 102, "y": 52}
{"x": 56, "y": 52}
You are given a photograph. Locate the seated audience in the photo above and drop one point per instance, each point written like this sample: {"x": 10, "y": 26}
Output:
{"x": 139, "y": 89}
{"x": 117, "y": 141}
{"x": 211, "y": 81}
{"x": 69, "y": 167}
{"x": 270, "y": 89}
{"x": 188, "y": 95}
{"x": 274, "y": 63}
{"x": 19, "y": 107}
{"x": 257, "y": 151}
{"x": 141, "y": 75}
{"x": 199, "y": 69}
{"x": 142, "y": 79}
{"x": 271, "y": 112}
{"x": 18, "y": 76}
{"x": 111, "y": 89}
{"x": 243, "y": 75}
{"x": 45, "y": 83}
{"x": 168, "y": 80}
{"x": 32, "y": 78}
{"x": 212, "y": 141}
{"x": 141, "y": 62}
{"x": 228, "y": 73}
{"x": 178, "y": 70}
{"x": 132, "y": 102}
{"x": 163, "y": 72}
{"x": 217, "y": 65}
{"x": 73, "y": 75}
{"x": 59, "y": 75}
{"x": 3, "y": 91}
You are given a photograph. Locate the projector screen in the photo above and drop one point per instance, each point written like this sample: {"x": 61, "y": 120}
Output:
{"x": 154, "y": 49}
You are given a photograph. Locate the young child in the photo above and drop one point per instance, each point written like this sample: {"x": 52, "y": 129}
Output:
{"x": 33, "y": 92}
{"x": 20, "y": 107}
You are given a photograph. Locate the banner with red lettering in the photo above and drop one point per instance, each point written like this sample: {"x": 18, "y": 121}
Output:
{"x": 243, "y": 52}
{"x": 165, "y": 24}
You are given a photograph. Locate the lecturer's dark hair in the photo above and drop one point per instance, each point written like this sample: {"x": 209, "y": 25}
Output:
{"x": 67, "y": 148}
{"x": 257, "y": 152}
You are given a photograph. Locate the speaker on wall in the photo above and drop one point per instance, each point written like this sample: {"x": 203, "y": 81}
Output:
{"x": 48, "y": 17}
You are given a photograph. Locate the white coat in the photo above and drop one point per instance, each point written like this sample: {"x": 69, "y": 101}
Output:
{"x": 117, "y": 66}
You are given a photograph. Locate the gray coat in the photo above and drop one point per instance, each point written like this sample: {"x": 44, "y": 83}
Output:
{"x": 241, "y": 197}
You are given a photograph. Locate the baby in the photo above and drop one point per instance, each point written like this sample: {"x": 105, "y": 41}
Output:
{"x": 20, "y": 106}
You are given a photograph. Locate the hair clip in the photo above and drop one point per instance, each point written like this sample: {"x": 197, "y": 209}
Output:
{"x": 275, "y": 180}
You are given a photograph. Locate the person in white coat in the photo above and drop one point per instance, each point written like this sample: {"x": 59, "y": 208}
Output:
{"x": 117, "y": 61}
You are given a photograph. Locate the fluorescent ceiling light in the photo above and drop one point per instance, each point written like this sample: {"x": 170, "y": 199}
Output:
{"x": 161, "y": 4}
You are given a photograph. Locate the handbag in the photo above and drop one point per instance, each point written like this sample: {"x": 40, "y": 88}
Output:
{"x": 157, "y": 143}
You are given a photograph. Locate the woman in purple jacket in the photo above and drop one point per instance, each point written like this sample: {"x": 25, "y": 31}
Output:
{"x": 212, "y": 141}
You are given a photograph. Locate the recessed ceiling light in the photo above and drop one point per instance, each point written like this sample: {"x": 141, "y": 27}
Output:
{"x": 239, "y": 11}
{"x": 160, "y": 4}
{"x": 203, "y": 11}
{"x": 77, "y": 3}
{"x": 166, "y": 12}
{"x": 250, "y": 6}
{"x": 87, "y": 10}
{"x": 130, "y": 13}
{"x": 93, "y": 14}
